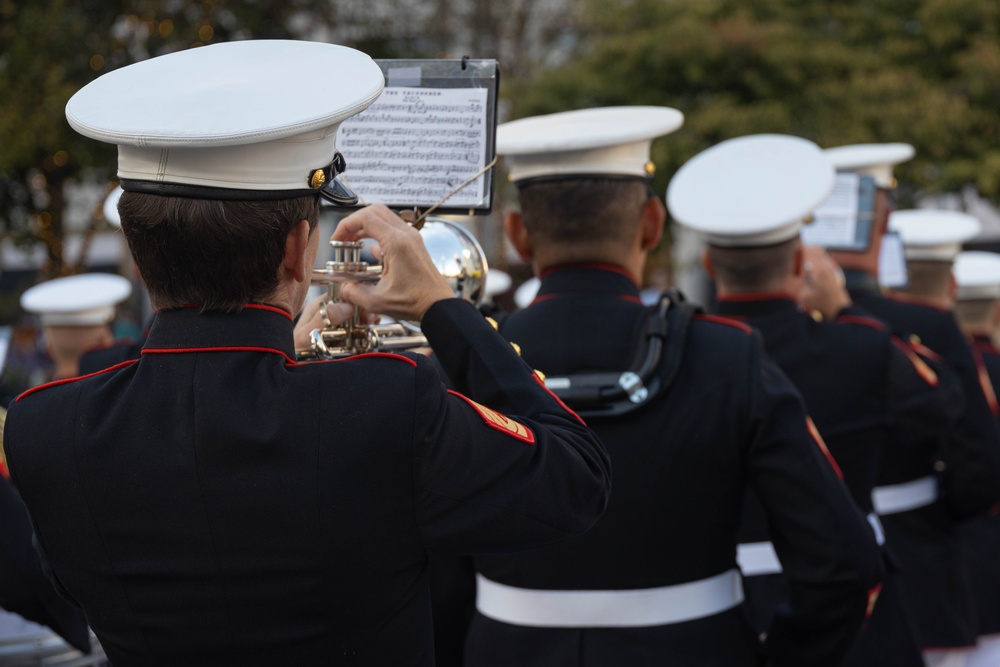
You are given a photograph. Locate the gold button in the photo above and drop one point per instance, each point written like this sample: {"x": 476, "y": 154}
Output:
{"x": 816, "y": 315}
{"x": 517, "y": 348}
{"x": 493, "y": 323}
{"x": 915, "y": 339}
{"x": 540, "y": 375}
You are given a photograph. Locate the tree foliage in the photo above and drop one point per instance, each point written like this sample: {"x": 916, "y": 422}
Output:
{"x": 926, "y": 72}
{"x": 52, "y": 48}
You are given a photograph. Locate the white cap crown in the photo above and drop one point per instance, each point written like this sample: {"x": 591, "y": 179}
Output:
{"x": 751, "y": 191}
{"x": 933, "y": 235}
{"x": 84, "y": 300}
{"x": 875, "y": 160}
{"x": 243, "y": 116}
{"x": 978, "y": 275}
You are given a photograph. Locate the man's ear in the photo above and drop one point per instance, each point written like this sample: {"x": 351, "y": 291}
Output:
{"x": 798, "y": 261}
{"x": 296, "y": 249}
{"x": 654, "y": 217}
{"x": 706, "y": 262}
{"x": 517, "y": 234}
{"x": 995, "y": 320}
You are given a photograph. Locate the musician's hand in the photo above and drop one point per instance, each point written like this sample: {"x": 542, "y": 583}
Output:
{"x": 336, "y": 314}
{"x": 823, "y": 286}
{"x": 410, "y": 282}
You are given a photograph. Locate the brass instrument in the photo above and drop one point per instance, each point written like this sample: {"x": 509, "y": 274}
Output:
{"x": 455, "y": 252}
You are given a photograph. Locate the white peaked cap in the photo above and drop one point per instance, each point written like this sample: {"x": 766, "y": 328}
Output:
{"x": 875, "y": 160}
{"x": 85, "y": 300}
{"x": 111, "y": 207}
{"x": 751, "y": 191}
{"x": 526, "y": 292}
{"x": 588, "y": 142}
{"x": 978, "y": 275}
{"x": 933, "y": 235}
{"x": 258, "y": 115}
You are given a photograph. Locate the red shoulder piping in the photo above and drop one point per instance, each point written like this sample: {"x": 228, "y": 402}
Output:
{"x": 862, "y": 321}
{"x": 724, "y": 320}
{"x": 55, "y": 383}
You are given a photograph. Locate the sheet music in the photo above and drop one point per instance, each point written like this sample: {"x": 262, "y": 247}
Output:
{"x": 835, "y": 221}
{"x": 416, "y": 145}
{"x": 892, "y": 262}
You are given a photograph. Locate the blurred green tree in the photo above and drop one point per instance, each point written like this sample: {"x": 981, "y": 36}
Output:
{"x": 925, "y": 72}
{"x": 54, "y": 47}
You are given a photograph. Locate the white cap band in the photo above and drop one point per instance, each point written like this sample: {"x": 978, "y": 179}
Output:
{"x": 601, "y": 141}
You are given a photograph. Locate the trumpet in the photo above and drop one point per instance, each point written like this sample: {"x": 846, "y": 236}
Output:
{"x": 458, "y": 257}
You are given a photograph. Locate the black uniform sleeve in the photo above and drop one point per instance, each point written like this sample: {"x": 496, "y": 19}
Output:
{"x": 507, "y": 467}
{"x": 826, "y": 547}
{"x": 972, "y": 458}
{"x": 925, "y": 400}
{"x": 24, "y": 589}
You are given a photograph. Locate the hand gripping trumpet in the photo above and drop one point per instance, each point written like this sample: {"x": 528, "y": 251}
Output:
{"x": 458, "y": 257}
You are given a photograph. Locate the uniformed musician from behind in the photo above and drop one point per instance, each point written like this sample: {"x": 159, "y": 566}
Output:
{"x": 216, "y": 503}
{"x": 655, "y": 581}
{"x": 76, "y": 314}
{"x": 977, "y": 308}
{"x": 920, "y": 512}
{"x": 874, "y": 401}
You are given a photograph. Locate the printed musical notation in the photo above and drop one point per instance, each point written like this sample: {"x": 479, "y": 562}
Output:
{"x": 415, "y": 145}
{"x": 836, "y": 219}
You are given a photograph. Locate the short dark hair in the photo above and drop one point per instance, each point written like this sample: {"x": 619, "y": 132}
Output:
{"x": 216, "y": 255}
{"x": 927, "y": 278}
{"x": 757, "y": 269}
{"x": 583, "y": 210}
{"x": 974, "y": 312}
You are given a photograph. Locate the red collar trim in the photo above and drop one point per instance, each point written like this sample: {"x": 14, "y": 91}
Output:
{"x": 237, "y": 348}
{"x": 56, "y": 383}
{"x": 273, "y": 309}
{"x": 916, "y": 300}
{"x": 724, "y": 320}
{"x": 549, "y": 297}
{"x": 757, "y": 296}
{"x": 599, "y": 266}
{"x": 863, "y": 321}
{"x": 254, "y": 306}
{"x": 367, "y": 355}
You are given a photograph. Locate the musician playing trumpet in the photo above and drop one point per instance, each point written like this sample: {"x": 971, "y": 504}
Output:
{"x": 217, "y": 503}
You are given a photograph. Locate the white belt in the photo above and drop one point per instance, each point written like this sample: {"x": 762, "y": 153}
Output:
{"x": 606, "y": 609}
{"x": 904, "y": 497}
{"x": 758, "y": 558}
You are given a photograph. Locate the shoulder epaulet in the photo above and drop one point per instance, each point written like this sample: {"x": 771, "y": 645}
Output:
{"x": 724, "y": 320}
{"x": 56, "y": 383}
{"x": 913, "y": 353}
{"x": 869, "y": 322}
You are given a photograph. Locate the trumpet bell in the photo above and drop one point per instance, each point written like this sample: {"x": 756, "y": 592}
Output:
{"x": 458, "y": 257}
